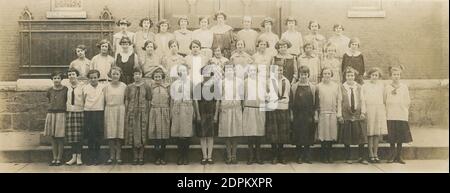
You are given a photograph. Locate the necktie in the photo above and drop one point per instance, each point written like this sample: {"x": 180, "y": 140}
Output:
{"x": 73, "y": 96}
{"x": 352, "y": 101}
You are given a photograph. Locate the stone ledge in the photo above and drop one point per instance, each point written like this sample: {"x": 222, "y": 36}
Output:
{"x": 44, "y": 84}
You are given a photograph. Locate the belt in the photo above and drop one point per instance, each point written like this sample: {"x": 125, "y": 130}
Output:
{"x": 103, "y": 80}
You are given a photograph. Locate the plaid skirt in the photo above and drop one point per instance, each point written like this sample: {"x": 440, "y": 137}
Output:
{"x": 278, "y": 126}
{"x": 55, "y": 124}
{"x": 398, "y": 132}
{"x": 74, "y": 127}
{"x": 159, "y": 123}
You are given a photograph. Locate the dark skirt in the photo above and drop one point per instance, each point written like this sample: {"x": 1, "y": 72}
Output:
{"x": 278, "y": 126}
{"x": 74, "y": 127}
{"x": 94, "y": 125}
{"x": 303, "y": 129}
{"x": 206, "y": 126}
{"x": 352, "y": 133}
{"x": 398, "y": 132}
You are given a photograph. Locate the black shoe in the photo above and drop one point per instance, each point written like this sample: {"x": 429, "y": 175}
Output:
{"x": 141, "y": 162}
{"x": 162, "y": 162}
{"x": 400, "y": 161}
{"x": 259, "y": 161}
{"x": 186, "y": 161}
{"x": 52, "y": 163}
{"x": 109, "y": 162}
{"x": 204, "y": 161}
{"x": 180, "y": 161}
{"x": 210, "y": 161}
{"x": 330, "y": 160}
{"x": 119, "y": 162}
{"x": 157, "y": 162}
{"x": 307, "y": 161}
{"x": 250, "y": 161}
{"x": 299, "y": 161}
{"x": 57, "y": 163}
{"x": 234, "y": 161}
{"x": 282, "y": 161}
{"x": 228, "y": 161}
{"x": 275, "y": 160}
{"x": 135, "y": 162}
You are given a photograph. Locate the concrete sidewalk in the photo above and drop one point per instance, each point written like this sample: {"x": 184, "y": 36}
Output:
{"x": 411, "y": 166}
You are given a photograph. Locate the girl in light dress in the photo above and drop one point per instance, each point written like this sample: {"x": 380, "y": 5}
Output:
{"x": 310, "y": 59}
{"x": 163, "y": 37}
{"x": 183, "y": 113}
{"x": 151, "y": 60}
{"x": 317, "y": 40}
{"x": 230, "y": 112}
{"x": 81, "y": 63}
{"x": 159, "y": 116}
{"x": 268, "y": 35}
{"x": 115, "y": 115}
{"x": 375, "y": 112}
{"x": 249, "y": 35}
{"x": 144, "y": 34}
{"x": 293, "y": 36}
{"x": 103, "y": 61}
{"x": 398, "y": 102}
{"x": 205, "y": 36}
{"x": 173, "y": 60}
{"x": 332, "y": 61}
{"x": 340, "y": 40}
{"x": 253, "y": 114}
{"x": 183, "y": 36}
{"x": 123, "y": 25}
{"x": 328, "y": 106}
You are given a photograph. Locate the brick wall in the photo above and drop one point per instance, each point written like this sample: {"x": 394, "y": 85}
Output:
{"x": 413, "y": 33}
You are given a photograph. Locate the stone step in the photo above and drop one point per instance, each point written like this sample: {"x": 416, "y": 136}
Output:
{"x": 44, "y": 153}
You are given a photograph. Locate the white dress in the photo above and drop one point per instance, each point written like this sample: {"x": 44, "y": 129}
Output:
{"x": 115, "y": 111}
{"x": 375, "y": 109}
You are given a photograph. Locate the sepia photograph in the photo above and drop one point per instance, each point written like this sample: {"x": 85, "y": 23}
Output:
{"x": 224, "y": 86}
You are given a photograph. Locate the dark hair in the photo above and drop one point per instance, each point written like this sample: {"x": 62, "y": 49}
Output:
{"x": 183, "y": 18}
{"x": 336, "y": 26}
{"x": 116, "y": 68}
{"x": 202, "y": 18}
{"x": 307, "y": 44}
{"x": 220, "y": 13}
{"x": 262, "y": 40}
{"x": 395, "y": 68}
{"x": 267, "y": 19}
{"x": 81, "y": 47}
{"x": 163, "y": 21}
{"x": 197, "y": 42}
{"x": 57, "y": 73}
{"x": 138, "y": 69}
{"x": 124, "y": 21}
{"x": 350, "y": 70}
{"x": 283, "y": 42}
{"x": 290, "y": 19}
{"x": 73, "y": 70}
{"x": 93, "y": 72}
{"x": 374, "y": 70}
{"x": 173, "y": 41}
{"x": 217, "y": 47}
{"x": 242, "y": 42}
{"x": 104, "y": 41}
{"x": 326, "y": 68}
{"x": 303, "y": 69}
{"x": 141, "y": 23}
{"x": 149, "y": 42}
{"x": 159, "y": 70}
{"x": 311, "y": 22}
{"x": 124, "y": 40}
{"x": 354, "y": 40}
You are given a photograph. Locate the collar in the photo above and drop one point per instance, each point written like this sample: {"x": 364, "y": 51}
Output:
{"x": 348, "y": 87}
{"x": 357, "y": 53}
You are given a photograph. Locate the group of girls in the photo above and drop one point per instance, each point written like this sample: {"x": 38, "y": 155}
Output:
{"x": 154, "y": 90}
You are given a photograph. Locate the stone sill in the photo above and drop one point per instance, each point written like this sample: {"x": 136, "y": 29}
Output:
{"x": 23, "y": 85}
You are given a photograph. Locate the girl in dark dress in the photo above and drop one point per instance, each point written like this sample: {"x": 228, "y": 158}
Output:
{"x": 207, "y": 111}
{"x": 126, "y": 60}
{"x": 303, "y": 115}
{"x": 288, "y": 61}
{"x": 354, "y": 58}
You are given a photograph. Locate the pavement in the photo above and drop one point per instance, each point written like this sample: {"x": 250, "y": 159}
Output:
{"x": 411, "y": 166}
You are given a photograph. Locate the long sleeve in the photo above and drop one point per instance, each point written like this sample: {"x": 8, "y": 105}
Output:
{"x": 317, "y": 100}
{"x": 339, "y": 102}
{"x": 407, "y": 97}
{"x": 363, "y": 101}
